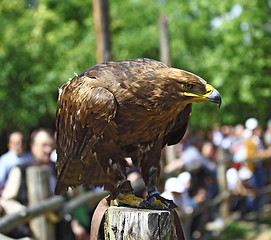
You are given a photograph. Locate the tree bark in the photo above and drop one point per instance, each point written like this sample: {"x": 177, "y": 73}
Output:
{"x": 131, "y": 223}
{"x": 164, "y": 40}
{"x": 101, "y": 22}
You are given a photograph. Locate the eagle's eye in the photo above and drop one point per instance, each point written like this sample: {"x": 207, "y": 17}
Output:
{"x": 188, "y": 86}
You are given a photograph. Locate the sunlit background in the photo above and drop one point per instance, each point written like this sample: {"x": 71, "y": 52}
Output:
{"x": 44, "y": 42}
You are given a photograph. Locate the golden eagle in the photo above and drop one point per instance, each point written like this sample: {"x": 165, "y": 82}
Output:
{"x": 121, "y": 109}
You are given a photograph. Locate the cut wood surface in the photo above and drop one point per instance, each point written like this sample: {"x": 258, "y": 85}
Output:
{"x": 131, "y": 223}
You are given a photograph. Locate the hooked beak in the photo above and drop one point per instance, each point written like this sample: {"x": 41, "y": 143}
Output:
{"x": 211, "y": 95}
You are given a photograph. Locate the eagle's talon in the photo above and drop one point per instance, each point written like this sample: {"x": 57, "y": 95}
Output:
{"x": 152, "y": 204}
{"x": 152, "y": 194}
{"x": 145, "y": 205}
{"x": 153, "y": 201}
{"x": 159, "y": 202}
{"x": 129, "y": 200}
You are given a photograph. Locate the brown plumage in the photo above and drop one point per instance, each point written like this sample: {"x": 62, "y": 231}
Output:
{"x": 114, "y": 110}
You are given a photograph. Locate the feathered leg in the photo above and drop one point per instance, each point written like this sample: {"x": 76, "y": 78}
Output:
{"x": 150, "y": 159}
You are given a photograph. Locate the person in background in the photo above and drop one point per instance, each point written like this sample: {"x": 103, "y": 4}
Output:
{"x": 173, "y": 191}
{"x": 16, "y": 155}
{"x": 217, "y": 135}
{"x": 243, "y": 192}
{"x": 249, "y": 201}
{"x": 184, "y": 179}
{"x": 176, "y": 164}
{"x": 227, "y": 132}
{"x": 267, "y": 134}
{"x": 198, "y": 222}
{"x": 192, "y": 157}
{"x": 14, "y": 196}
{"x": 256, "y": 152}
{"x": 238, "y": 152}
{"x": 267, "y": 142}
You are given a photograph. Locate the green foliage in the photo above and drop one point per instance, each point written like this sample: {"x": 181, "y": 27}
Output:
{"x": 44, "y": 43}
{"x": 233, "y": 231}
{"x": 134, "y": 27}
{"x": 234, "y": 56}
{"x": 40, "y": 49}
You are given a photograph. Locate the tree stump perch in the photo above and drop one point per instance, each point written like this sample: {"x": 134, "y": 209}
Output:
{"x": 133, "y": 223}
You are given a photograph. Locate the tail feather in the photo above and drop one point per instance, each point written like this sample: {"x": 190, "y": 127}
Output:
{"x": 69, "y": 176}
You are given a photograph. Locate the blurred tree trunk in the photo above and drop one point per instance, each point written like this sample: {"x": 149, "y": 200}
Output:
{"x": 164, "y": 40}
{"x": 170, "y": 151}
{"x": 222, "y": 165}
{"x": 101, "y": 22}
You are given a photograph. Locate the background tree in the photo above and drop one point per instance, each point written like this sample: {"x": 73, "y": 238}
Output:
{"x": 41, "y": 46}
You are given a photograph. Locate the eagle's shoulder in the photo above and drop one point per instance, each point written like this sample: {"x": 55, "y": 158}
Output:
{"x": 133, "y": 66}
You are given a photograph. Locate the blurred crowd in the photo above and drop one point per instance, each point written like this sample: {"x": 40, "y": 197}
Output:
{"x": 247, "y": 152}
{"x": 14, "y": 189}
{"x": 192, "y": 167}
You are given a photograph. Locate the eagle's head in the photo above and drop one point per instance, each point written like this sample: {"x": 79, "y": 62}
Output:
{"x": 188, "y": 87}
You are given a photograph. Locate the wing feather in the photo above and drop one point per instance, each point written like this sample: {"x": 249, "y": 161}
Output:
{"x": 83, "y": 113}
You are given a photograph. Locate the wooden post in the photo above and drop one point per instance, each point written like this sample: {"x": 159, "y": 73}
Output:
{"x": 131, "y": 223}
{"x": 101, "y": 22}
{"x": 222, "y": 184}
{"x": 164, "y": 40}
{"x": 38, "y": 187}
{"x": 170, "y": 153}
